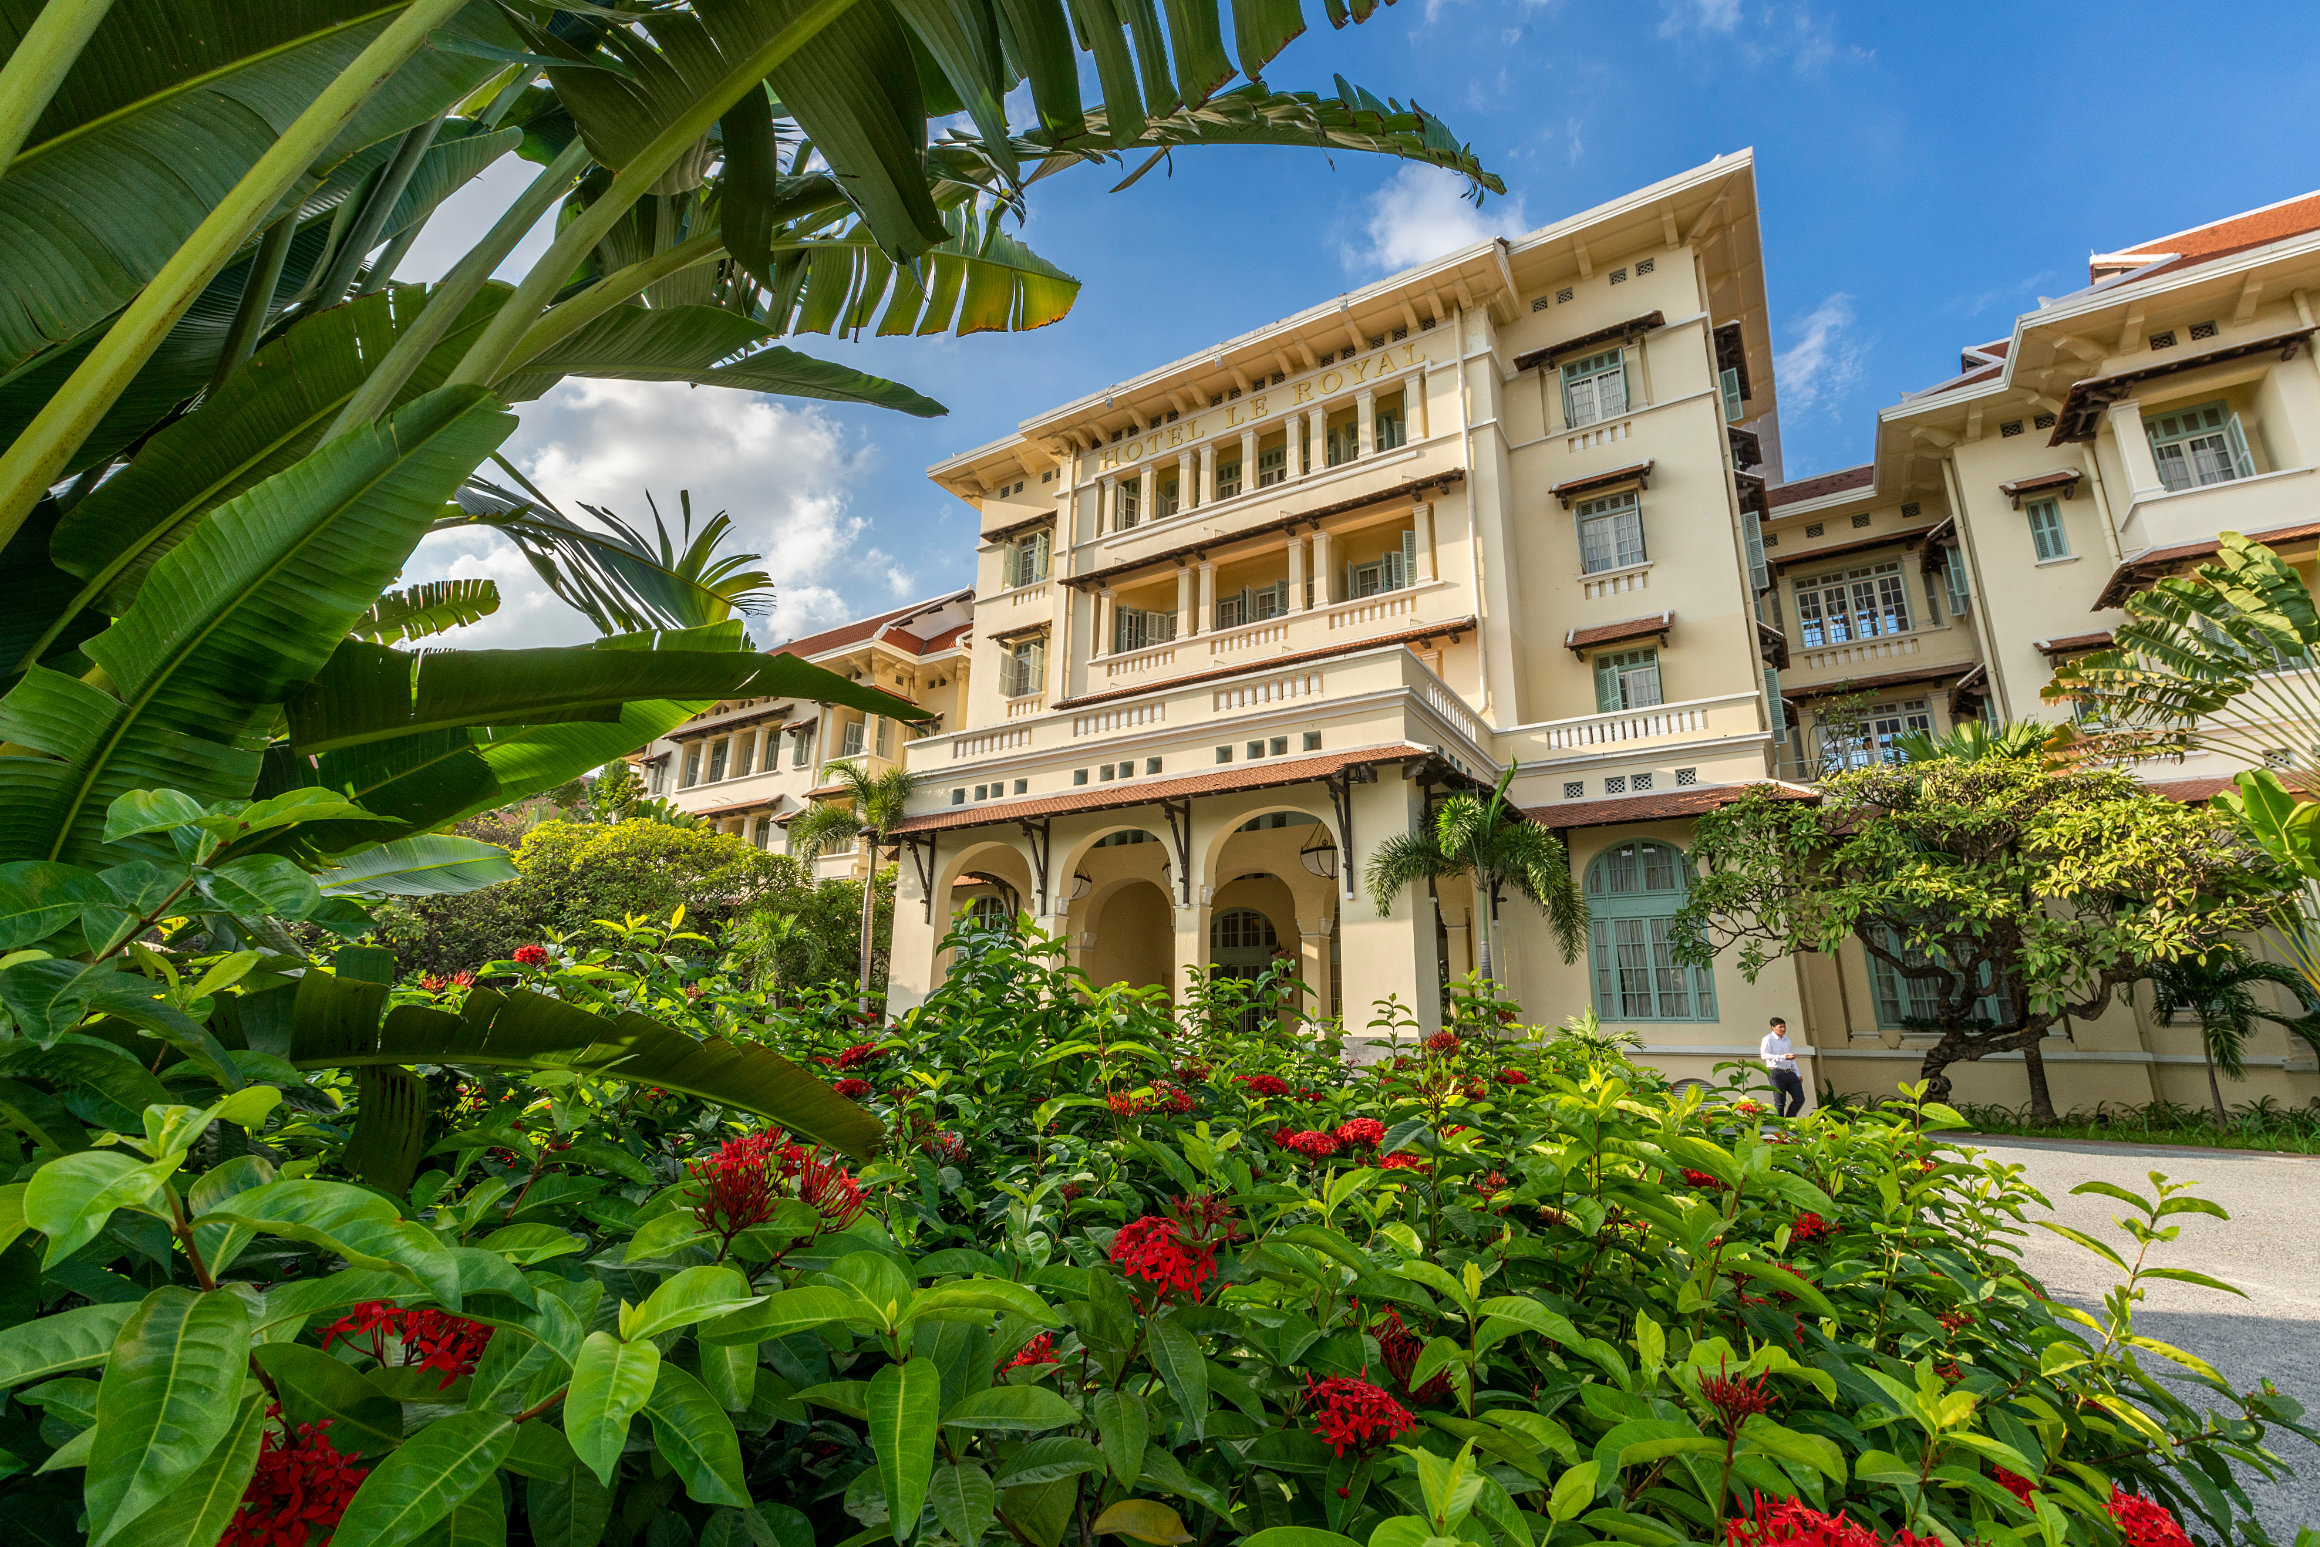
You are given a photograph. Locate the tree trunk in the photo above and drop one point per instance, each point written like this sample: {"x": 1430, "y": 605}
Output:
{"x": 2214, "y": 1091}
{"x": 869, "y": 914}
{"x": 1487, "y": 956}
{"x": 2034, "y": 1064}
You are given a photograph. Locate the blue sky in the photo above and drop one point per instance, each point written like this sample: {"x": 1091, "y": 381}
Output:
{"x": 1924, "y": 172}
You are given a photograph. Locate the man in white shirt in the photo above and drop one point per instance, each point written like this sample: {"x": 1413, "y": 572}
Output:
{"x": 1780, "y": 1058}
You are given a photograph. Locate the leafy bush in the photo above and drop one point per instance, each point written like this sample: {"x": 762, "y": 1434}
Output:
{"x": 1106, "y": 1273}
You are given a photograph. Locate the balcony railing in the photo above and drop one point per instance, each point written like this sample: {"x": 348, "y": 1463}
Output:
{"x": 1732, "y": 714}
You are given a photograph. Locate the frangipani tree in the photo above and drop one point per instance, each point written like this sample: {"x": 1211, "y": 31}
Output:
{"x": 1490, "y": 844}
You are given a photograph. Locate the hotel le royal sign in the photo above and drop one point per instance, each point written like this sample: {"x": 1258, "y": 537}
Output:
{"x": 1307, "y": 390}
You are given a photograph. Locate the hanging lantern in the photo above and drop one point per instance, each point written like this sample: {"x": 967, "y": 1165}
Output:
{"x": 1319, "y": 854}
{"x": 1081, "y": 885}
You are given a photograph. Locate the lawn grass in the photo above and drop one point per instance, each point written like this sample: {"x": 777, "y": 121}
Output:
{"x": 2257, "y": 1127}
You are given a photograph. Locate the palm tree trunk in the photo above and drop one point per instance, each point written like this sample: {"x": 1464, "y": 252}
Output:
{"x": 2041, "y": 1100}
{"x": 869, "y": 913}
{"x": 2214, "y": 1090}
{"x": 1488, "y": 956}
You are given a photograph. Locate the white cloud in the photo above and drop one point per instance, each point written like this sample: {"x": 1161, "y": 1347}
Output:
{"x": 1422, "y": 213}
{"x": 785, "y": 472}
{"x": 1685, "y": 16}
{"x": 1776, "y": 32}
{"x": 1825, "y": 360}
{"x": 460, "y": 221}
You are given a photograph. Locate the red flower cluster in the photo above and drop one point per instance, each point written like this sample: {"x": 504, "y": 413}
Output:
{"x": 1735, "y": 1400}
{"x": 1789, "y": 1523}
{"x": 859, "y": 1053}
{"x": 1442, "y": 1042}
{"x": 852, "y": 1089}
{"x": 1040, "y": 1350}
{"x": 530, "y": 956}
{"x": 1188, "y": 1072}
{"x": 1154, "y": 1250}
{"x": 1125, "y": 1105}
{"x": 1403, "y": 1160}
{"x": 1952, "y": 1320}
{"x": 824, "y": 1186}
{"x": 1513, "y": 1077}
{"x": 1809, "y": 1227}
{"x": 1168, "y": 1098}
{"x": 1704, "y": 1182}
{"x": 1399, "y": 1347}
{"x": 2145, "y": 1522}
{"x": 1477, "y": 1091}
{"x": 1309, "y": 1143}
{"x": 739, "y": 1181}
{"x": 1750, "y": 1108}
{"x": 2016, "y": 1484}
{"x": 1265, "y": 1084}
{"x": 1349, "y": 1412}
{"x": 1205, "y": 1215}
{"x": 300, "y": 1490}
{"x": 431, "y": 1339}
{"x": 1361, "y": 1132}
{"x": 946, "y": 1147}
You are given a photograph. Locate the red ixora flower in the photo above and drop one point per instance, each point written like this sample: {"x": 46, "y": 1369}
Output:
{"x": 1169, "y": 1098}
{"x": 2016, "y": 1484}
{"x": 1735, "y": 1400}
{"x": 738, "y": 1183}
{"x": 1704, "y": 1182}
{"x": 1040, "y": 1350}
{"x": 1789, "y": 1523}
{"x": 852, "y": 1089}
{"x": 1125, "y": 1105}
{"x": 529, "y": 956}
{"x": 1750, "y": 1108}
{"x": 2145, "y": 1522}
{"x": 1442, "y": 1042}
{"x": 1310, "y": 1144}
{"x": 859, "y": 1053}
{"x": 1154, "y": 1249}
{"x": 303, "y": 1484}
{"x": 1513, "y": 1077}
{"x": 1399, "y": 1347}
{"x": 463, "y": 979}
{"x": 1808, "y": 1227}
{"x": 1403, "y": 1160}
{"x": 1349, "y": 1412}
{"x": 1361, "y": 1132}
{"x": 946, "y": 1147}
{"x": 1265, "y": 1084}
{"x": 433, "y": 983}
{"x": 431, "y": 1339}
{"x": 824, "y": 1186}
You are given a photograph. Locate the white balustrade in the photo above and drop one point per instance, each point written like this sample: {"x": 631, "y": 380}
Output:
{"x": 1452, "y": 709}
{"x": 1600, "y": 435}
{"x": 1248, "y": 637}
{"x": 1252, "y": 695}
{"x": 1381, "y": 608}
{"x": 1136, "y": 662}
{"x": 1102, "y": 722}
{"x": 1025, "y": 708}
{"x": 1628, "y": 725}
{"x": 1861, "y": 652}
{"x": 983, "y": 743}
{"x": 1618, "y": 585}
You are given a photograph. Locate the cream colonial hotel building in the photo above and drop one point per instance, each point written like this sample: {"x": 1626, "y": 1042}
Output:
{"x": 1239, "y": 618}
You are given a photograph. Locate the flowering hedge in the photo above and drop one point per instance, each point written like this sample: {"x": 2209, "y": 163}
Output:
{"x": 1117, "y": 1271}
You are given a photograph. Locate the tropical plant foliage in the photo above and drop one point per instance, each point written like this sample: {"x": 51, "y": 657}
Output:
{"x": 1490, "y": 845}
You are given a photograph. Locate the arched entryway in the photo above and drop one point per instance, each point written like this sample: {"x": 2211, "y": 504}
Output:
{"x": 1134, "y": 931}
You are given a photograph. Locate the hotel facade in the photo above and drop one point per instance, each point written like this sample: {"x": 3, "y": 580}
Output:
{"x": 1239, "y": 619}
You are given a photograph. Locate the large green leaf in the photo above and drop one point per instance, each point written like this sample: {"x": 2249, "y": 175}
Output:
{"x": 337, "y": 1025}
{"x": 64, "y": 1340}
{"x": 415, "y": 612}
{"x": 170, "y": 103}
{"x": 241, "y": 614}
{"x": 571, "y": 1510}
{"x": 696, "y": 1437}
{"x": 611, "y": 1382}
{"x": 981, "y": 280}
{"x": 425, "y": 865}
{"x": 198, "y": 1512}
{"x": 905, "y": 1409}
{"x": 431, "y": 1474}
{"x": 710, "y": 347}
{"x": 315, "y": 1387}
{"x": 171, "y": 1390}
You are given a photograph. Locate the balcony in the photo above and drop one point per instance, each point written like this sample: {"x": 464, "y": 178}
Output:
{"x": 1334, "y": 626}
{"x": 1626, "y": 730}
{"x": 1929, "y": 649}
{"x": 2161, "y": 518}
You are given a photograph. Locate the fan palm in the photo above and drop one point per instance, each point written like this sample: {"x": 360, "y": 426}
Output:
{"x": 1494, "y": 846}
{"x": 1970, "y": 741}
{"x": 769, "y": 937}
{"x": 870, "y": 808}
{"x": 2217, "y": 991}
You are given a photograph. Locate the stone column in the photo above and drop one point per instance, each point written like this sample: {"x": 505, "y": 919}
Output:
{"x": 1107, "y": 504}
{"x": 1187, "y": 491}
{"x": 1102, "y": 644}
{"x": 1414, "y": 402}
{"x": 1206, "y": 621}
{"x": 2135, "y": 449}
{"x": 1395, "y": 954}
{"x": 1296, "y": 573}
{"x": 1191, "y": 953}
{"x": 1147, "y": 494}
{"x": 1058, "y": 635}
{"x": 1422, "y": 523}
{"x": 1365, "y": 420}
{"x": 1208, "y": 473}
{"x": 1322, "y": 576}
{"x": 1313, "y": 962}
{"x": 1317, "y": 435}
{"x": 1248, "y": 461}
{"x": 1187, "y": 623}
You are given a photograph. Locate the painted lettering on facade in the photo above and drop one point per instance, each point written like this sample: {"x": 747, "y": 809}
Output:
{"x": 1162, "y": 439}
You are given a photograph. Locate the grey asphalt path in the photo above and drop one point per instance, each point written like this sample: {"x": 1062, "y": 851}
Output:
{"x": 2270, "y": 1249}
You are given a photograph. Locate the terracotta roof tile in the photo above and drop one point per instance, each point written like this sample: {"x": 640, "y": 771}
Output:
{"x": 1294, "y": 658}
{"x": 1633, "y": 472}
{"x": 1619, "y": 810}
{"x": 2192, "y": 791}
{"x": 761, "y": 803}
{"x": 1891, "y": 679}
{"x": 2154, "y": 562}
{"x": 1611, "y": 633}
{"x": 2073, "y": 644}
{"x": 1246, "y": 776}
{"x": 1787, "y": 560}
{"x": 2220, "y": 239}
{"x": 1822, "y": 484}
{"x": 862, "y": 628}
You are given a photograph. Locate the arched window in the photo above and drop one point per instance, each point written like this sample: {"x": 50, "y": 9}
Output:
{"x": 1633, "y": 892}
{"x": 990, "y": 912}
{"x": 1243, "y": 929}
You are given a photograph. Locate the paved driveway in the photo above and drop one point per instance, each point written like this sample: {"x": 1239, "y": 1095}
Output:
{"x": 2270, "y": 1249}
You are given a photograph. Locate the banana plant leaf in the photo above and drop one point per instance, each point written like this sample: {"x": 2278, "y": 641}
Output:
{"x": 416, "y": 612}
{"x": 170, "y": 103}
{"x": 981, "y": 280}
{"x": 335, "y": 1023}
{"x": 423, "y": 865}
{"x": 243, "y": 612}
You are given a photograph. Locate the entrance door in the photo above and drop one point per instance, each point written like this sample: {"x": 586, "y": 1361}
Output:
{"x": 1242, "y": 944}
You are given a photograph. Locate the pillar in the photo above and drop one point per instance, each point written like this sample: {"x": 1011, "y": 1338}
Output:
{"x": 1191, "y": 941}
{"x": 1365, "y": 422}
{"x": 1321, "y": 569}
{"x": 1248, "y": 461}
{"x": 2135, "y": 449}
{"x": 1186, "y": 490}
{"x": 1058, "y": 634}
{"x": 1461, "y": 947}
{"x": 1296, "y": 573}
{"x": 1208, "y": 473}
{"x": 1147, "y": 493}
{"x": 1414, "y": 403}
{"x": 1102, "y": 644}
{"x": 1422, "y": 523}
{"x": 1187, "y": 624}
{"x": 1206, "y": 619}
{"x": 1107, "y": 505}
{"x": 1313, "y": 962}
{"x": 1317, "y": 435}
{"x": 1393, "y": 954}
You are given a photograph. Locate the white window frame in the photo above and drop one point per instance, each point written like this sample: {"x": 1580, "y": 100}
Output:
{"x": 1027, "y": 559}
{"x": 2048, "y": 539}
{"x": 1611, "y": 532}
{"x": 1873, "y": 739}
{"x": 1874, "y": 598}
{"x": 2199, "y": 446}
{"x": 1025, "y": 668}
{"x": 1630, "y": 676}
{"x": 802, "y": 750}
{"x": 1127, "y": 500}
{"x": 1273, "y": 466}
{"x": 1595, "y": 388}
{"x": 851, "y": 739}
{"x": 1392, "y": 424}
{"x": 1136, "y": 628}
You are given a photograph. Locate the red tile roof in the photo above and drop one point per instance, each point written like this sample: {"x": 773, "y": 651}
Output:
{"x": 862, "y": 628}
{"x": 2073, "y": 644}
{"x": 1247, "y": 776}
{"x": 1567, "y": 492}
{"x": 1612, "y": 633}
{"x": 1618, "y": 811}
{"x": 2193, "y": 791}
{"x": 2154, "y": 562}
{"x": 1822, "y": 484}
{"x": 1891, "y": 679}
{"x": 1270, "y": 663}
{"x": 1786, "y": 560}
{"x": 2067, "y": 477}
{"x": 761, "y": 803}
{"x": 2222, "y": 238}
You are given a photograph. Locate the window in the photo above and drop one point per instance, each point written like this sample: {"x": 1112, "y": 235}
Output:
{"x": 1873, "y": 736}
{"x": 692, "y": 767}
{"x": 1389, "y": 571}
{"x": 1312, "y": 741}
{"x": 1027, "y": 560}
{"x": 1392, "y": 429}
{"x": 1595, "y": 389}
{"x": 1168, "y": 501}
{"x": 1611, "y": 532}
{"x": 1024, "y": 672}
{"x": 2046, "y": 533}
{"x": 1902, "y": 999}
{"x": 1961, "y": 593}
{"x": 885, "y": 737}
{"x": 2199, "y": 446}
{"x": 1627, "y": 679}
{"x": 1252, "y": 604}
{"x": 717, "y": 761}
{"x": 1343, "y": 441}
{"x": 1728, "y": 384}
{"x": 1224, "y": 754}
{"x": 1272, "y": 466}
{"x": 744, "y": 754}
{"x": 1124, "y": 502}
{"x": 802, "y": 749}
{"x": 762, "y": 835}
{"x": 1857, "y": 604}
{"x": 850, "y": 739}
{"x": 1633, "y": 892}
{"x": 1228, "y": 476}
{"x": 1135, "y": 628}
